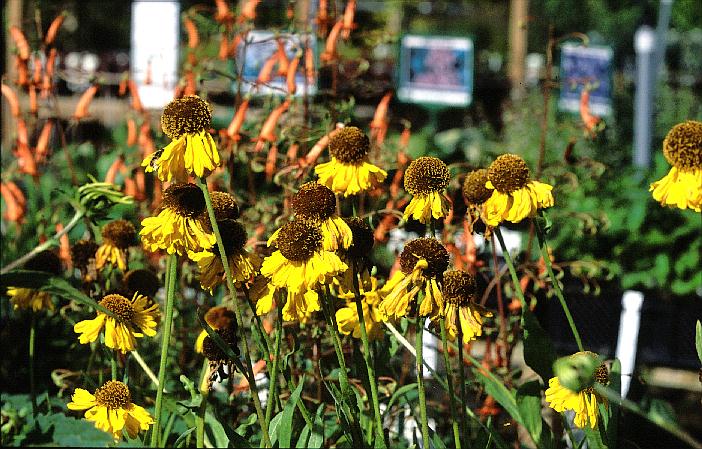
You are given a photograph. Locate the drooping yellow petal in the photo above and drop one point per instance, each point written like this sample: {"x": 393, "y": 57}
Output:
{"x": 681, "y": 189}
{"x": 89, "y": 330}
{"x": 349, "y": 179}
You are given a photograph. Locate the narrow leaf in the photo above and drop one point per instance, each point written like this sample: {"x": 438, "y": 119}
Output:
{"x": 286, "y": 422}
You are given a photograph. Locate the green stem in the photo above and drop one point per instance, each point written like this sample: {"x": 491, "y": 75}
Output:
{"x": 113, "y": 364}
{"x": 419, "y": 346}
{"x": 171, "y": 267}
{"x": 540, "y": 235}
{"x": 512, "y": 270}
{"x": 202, "y": 410}
{"x": 274, "y": 374}
{"x": 46, "y": 245}
{"x": 367, "y": 357}
{"x": 32, "y": 346}
{"x": 330, "y": 316}
{"x": 462, "y": 377}
{"x": 449, "y": 379}
{"x": 240, "y": 320}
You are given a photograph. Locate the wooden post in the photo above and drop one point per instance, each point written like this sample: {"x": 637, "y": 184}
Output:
{"x": 517, "y": 45}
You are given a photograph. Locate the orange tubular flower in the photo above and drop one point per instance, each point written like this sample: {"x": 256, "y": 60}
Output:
{"x": 290, "y": 76}
{"x": 349, "y": 13}
{"x": 309, "y": 65}
{"x": 248, "y": 11}
{"x": 54, "y": 28}
{"x": 238, "y": 120}
{"x": 191, "y": 29}
{"x": 131, "y": 132}
{"x": 264, "y": 76}
{"x": 283, "y": 61}
{"x": 267, "y": 130}
{"x": 36, "y": 76}
{"x": 590, "y": 121}
{"x": 379, "y": 124}
{"x": 42, "y": 149}
{"x": 21, "y": 42}
{"x": 115, "y": 168}
{"x": 12, "y": 100}
{"x": 81, "y": 110}
{"x": 14, "y": 210}
{"x": 48, "y": 77}
{"x": 329, "y": 52}
{"x": 223, "y": 14}
{"x": 134, "y": 93}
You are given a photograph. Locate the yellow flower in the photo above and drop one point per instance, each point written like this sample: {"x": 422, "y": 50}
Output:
{"x": 422, "y": 264}
{"x": 426, "y": 180}
{"x": 26, "y": 298}
{"x": 349, "y": 172}
{"x": 192, "y": 151}
{"x": 298, "y": 306}
{"x": 515, "y": 197}
{"x": 181, "y": 225}
{"x": 458, "y": 291}
{"x": 301, "y": 263}
{"x": 117, "y": 236}
{"x": 133, "y": 319}
{"x": 317, "y": 204}
{"x": 242, "y": 264}
{"x": 347, "y": 317}
{"x": 682, "y": 186}
{"x": 111, "y": 409}
{"x": 218, "y": 317}
{"x": 583, "y": 403}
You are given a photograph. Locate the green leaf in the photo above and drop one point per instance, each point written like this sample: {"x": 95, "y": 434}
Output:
{"x": 698, "y": 339}
{"x": 502, "y": 395}
{"x": 529, "y": 404}
{"x": 221, "y": 439}
{"x": 46, "y": 282}
{"x": 273, "y": 427}
{"x": 539, "y": 354}
{"x": 611, "y": 416}
{"x": 69, "y": 431}
{"x": 286, "y": 422}
{"x": 182, "y": 437}
{"x": 435, "y": 440}
{"x": 402, "y": 391}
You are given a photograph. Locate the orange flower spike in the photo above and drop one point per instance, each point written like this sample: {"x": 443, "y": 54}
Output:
{"x": 47, "y": 79}
{"x": 26, "y": 161}
{"x": 590, "y": 121}
{"x": 244, "y": 384}
{"x": 238, "y": 120}
{"x": 136, "y": 99}
{"x": 309, "y": 65}
{"x": 33, "y": 105}
{"x": 283, "y": 61}
{"x": 122, "y": 87}
{"x": 21, "y": 42}
{"x": 264, "y": 75}
{"x": 290, "y": 76}
{"x": 190, "y": 85}
{"x": 191, "y": 30}
{"x": 381, "y": 112}
{"x": 84, "y": 102}
{"x": 14, "y": 211}
{"x": 115, "y": 168}
{"x": 349, "y": 13}
{"x": 42, "y": 148}
{"x": 270, "y": 162}
{"x": 267, "y": 130}
{"x": 54, "y": 28}
{"x": 248, "y": 11}
{"x": 64, "y": 248}
{"x": 313, "y": 154}
{"x": 146, "y": 143}
{"x": 22, "y": 134}
{"x": 322, "y": 14}
{"x": 223, "y": 52}
{"x": 17, "y": 193}
{"x": 404, "y": 139}
{"x": 231, "y": 49}
{"x": 12, "y": 100}
{"x": 329, "y": 52}
{"x": 291, "y": 154}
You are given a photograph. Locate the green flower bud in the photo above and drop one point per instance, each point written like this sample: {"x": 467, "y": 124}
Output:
{"x": 577, "y": 372}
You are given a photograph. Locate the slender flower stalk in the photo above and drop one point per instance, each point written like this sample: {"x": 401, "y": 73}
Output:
{"x": 449, "y": 379}
{"x": 202, "y": 410}
{"x": 420, "y": 381}
{"x": 232, "y": 292}
{"x": 32, "y": 347}
{"x": 510, "y": 266}
{"x": 368, "y": 358}
{"x": 171, "y": 267}
{"x": 541, "y": 236}
{"x": 462, "y": 376}
{"x": 274, "y": 374}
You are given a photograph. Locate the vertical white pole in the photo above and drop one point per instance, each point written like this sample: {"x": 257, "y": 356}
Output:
{"x": 644, "y": 44}
{"x": 629, "y": 323}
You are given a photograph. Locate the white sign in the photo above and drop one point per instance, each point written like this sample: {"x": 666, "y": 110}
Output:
{"x": 154, "y": 61}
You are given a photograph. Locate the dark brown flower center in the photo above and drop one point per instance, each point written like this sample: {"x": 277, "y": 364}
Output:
{"x": 474, "y": 190}
{"x": 349, "y": 145}
{"x": 219, "y": 317}
{"x": 113, "y": 395}
{"x": 187, "y": 115}
{"x": 120, "y": 306}
{"x": 508, "y": 173}
{"x": 233, "y": 236}
{"x": 82, "y": 252}
{"x": 47, "y": 261}
{"x": 224, "y": 205}
{"x": 120, "y": 233}
{"x": 458, "y": 287}
{"x": 426, "y": 175}
{"x": 314, "y": 202}
{"x": 363, "y": 239}
{"x": 299, "y": 240}
{"x": 428, "y": 249}
{"x": 143, "y": 281}
{"x": 682, "y": 146}
{"x": 213, "y": 351}
{"x": 186, "y": 200}
{"x": 602, "y": 375}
